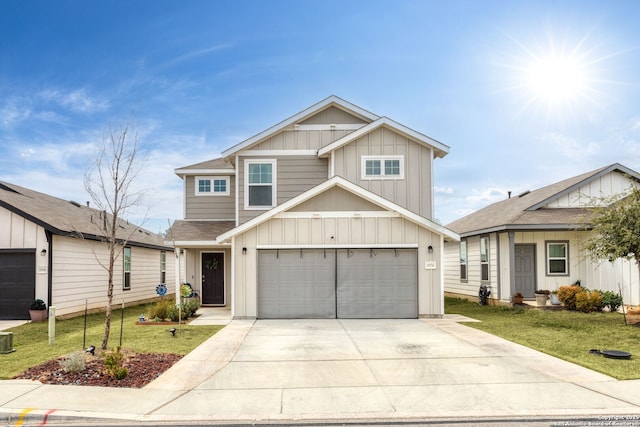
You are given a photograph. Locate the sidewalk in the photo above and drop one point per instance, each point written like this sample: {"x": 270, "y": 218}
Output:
{"x": 343, "y": 370}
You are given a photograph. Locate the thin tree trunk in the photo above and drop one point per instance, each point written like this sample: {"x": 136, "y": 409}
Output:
{"x": 107, "y": 317}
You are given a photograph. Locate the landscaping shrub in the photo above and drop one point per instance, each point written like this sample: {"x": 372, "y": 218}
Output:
{"x": 613, "y": 300}
{"x": 192, "y": 305}
{"x": 113, "y": 363}
{"x": 159, "y": 310}
{"x": 567, "y": 295}
{"x": 172, "y": 313}
{"x": 588, "y": 301}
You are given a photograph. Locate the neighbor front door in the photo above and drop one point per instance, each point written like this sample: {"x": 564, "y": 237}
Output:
{"x": 213, "y": 278}
{"x": 525, "y": 274}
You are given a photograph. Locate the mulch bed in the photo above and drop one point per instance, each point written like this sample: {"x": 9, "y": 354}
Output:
{"x": 143, "y": 368}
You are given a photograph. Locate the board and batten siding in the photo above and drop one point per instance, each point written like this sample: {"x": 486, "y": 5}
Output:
{"x": 16, "y": 232}
{"x": 209, "y": 207}
{"x": 331, "y": 232}
{"x": 294, "y": 176}
{"x": 79, "y": 277}
{"x": 413, "y": 192}
{"x": 471, "y": 286}
{"x": 588, "y": 195}
{"x": 295, "y": 139}
{"x": 333, "y": 115}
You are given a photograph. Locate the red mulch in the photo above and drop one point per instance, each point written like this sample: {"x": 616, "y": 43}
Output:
{"x": 143, "y": 368}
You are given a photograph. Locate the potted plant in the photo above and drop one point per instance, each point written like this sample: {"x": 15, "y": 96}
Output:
{"x": 554, "y": 298}
{"x": 518, "y": 298}
{"x": 38, "y": 311}
{"x": 542, "y": 295}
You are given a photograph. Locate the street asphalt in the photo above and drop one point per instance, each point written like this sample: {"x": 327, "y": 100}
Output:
{"x": 332, "y": 371}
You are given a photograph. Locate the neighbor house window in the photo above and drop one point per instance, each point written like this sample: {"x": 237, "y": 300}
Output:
{"x": 212, "y": 186}
{"x": 163, "y": 267}
{"x": 557, "y": 258}
{"x": 260, "y": 189}
{"x": 463, "y": 260}
{"x": 484, "y": 258}
{"x": 126, "y": 284}
{"x": 386, "y": 167}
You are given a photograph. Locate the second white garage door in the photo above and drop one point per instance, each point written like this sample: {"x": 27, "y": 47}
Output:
{"x": 343, "y": 283}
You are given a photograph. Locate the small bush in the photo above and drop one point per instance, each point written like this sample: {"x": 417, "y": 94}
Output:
{"x": 173, "y": 313}
{"x": 159, "y": 310}
{"x": 74, "y": 363}
{"x": 113, "y": 363}
{"x": 613, "y": 300}
{"x": 588, "y": 301}
{"x": 567, "y": 295}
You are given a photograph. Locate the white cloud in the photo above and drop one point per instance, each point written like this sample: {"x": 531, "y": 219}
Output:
{"x": 77, "y": 100}
{"x": 14, "y": 110}
{"x": 443, "y": 190}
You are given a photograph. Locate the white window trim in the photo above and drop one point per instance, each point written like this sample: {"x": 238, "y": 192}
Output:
{"x": 488, "y": 261}
{"x": 466, "y": 261}
{"x": 549, "y": 258}
{"x": 211, "y": 179}
{"x": 274, "y": 180}
{"x": 363, "y": 168}
{"x": 124, "y": 268}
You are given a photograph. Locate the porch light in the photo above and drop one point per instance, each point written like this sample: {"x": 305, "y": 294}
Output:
{"x": 43, "y": 252}
{"x": 430, "y": 249}
{"x": 244, "y": 251}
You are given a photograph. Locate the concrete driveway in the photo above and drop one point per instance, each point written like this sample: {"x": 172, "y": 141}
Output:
{"x": 381, "y": 369}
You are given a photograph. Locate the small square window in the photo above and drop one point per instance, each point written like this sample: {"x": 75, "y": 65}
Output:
{"x": 383, "y": 167}
{"x": 212, "y": 186}
{"x": 392, "y": 167}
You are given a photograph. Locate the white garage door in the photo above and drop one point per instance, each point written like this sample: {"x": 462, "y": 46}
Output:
{"x": 330, "y": 283}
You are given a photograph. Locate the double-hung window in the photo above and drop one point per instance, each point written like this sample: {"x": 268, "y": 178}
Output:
{"x": 212, "y": 186}
{"x": 557, "y": 258}
{"x": 260, "y": 188}
{"x": 126, "y": 258}
{"x": 484, "y": 259}
{"x": 163, "y": 267}
{"x": 382, "y": 167}
{"x": 463, "y": 260}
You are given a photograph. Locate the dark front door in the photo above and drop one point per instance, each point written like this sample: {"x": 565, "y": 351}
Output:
{"x": 525, "y": 273}
{"x": 213, "y": 278}
{"x": 17, "y": 283}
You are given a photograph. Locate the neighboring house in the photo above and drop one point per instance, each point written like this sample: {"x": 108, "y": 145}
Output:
{"x": 532, "y": 241}
{"x": 326, "y": 214}
{"x": 49, "y": 249}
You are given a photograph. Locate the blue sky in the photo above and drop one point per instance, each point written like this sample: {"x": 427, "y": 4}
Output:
{"x": 201, "y": 76}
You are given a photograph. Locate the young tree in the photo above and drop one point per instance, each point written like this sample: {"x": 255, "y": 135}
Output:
{"x": 109, "y": 184}
{"x": 615, "y": 225}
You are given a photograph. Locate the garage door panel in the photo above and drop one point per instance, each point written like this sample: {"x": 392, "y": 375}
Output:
{"x": 296, "y": 284}
{"x": 17, "y": 283}
{"x": 377, "y": 283}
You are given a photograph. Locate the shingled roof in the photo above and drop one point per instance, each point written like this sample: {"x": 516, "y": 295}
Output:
{"x": 183, "y": 231}
{"x": 528, "y": 211}
{"x": 68, "y": 218}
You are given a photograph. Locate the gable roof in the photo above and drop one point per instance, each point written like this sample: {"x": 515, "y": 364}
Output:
{"x": 528, "y": 212}
{"x": 67, "y": 218}
{"x": 184, "y": 233}
{"x": 440, "y": 150}
{"x": 218, "y": 165}
{"x": 354, "y": 189}
{"x": 325, "y": 103}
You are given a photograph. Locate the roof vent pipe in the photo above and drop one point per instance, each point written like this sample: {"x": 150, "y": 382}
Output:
{"x": 509, "y": 193}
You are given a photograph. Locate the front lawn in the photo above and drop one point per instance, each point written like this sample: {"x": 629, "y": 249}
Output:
{"x": 31, "y": 340}
{"x": 567, "y": 335}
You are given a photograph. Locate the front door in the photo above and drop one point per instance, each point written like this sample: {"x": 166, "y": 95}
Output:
{"x": 525, "y": 274}
{"x": 213, "y": 278}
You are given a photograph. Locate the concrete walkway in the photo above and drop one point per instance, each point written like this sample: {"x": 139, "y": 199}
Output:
{"x": 344, "y": 369}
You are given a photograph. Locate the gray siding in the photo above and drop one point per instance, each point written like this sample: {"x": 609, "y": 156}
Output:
{"x": 334, "y": 200}
{"x": 414, "y": 192}
{"x": 291, "y": 139}
{"x": 332, "y": 115}
{"x": 209, "y": 207}
{"x": 294, "y": 175}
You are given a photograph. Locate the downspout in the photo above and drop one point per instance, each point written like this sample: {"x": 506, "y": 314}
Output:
{"x": 498, "y": 266}
{"x": 512, "y": 265}
{"x": 49, "y": 236}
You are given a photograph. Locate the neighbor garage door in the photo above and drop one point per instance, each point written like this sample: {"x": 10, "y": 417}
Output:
{"x": 343, "y": 283}
{"x": 17, "y": 283}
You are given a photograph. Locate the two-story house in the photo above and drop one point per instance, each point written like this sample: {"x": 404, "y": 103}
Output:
{"x": 326, "y": 214}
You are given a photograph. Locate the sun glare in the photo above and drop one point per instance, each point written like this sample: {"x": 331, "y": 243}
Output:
{"x": 556, "y": 79}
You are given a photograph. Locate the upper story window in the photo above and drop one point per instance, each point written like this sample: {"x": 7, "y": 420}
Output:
{"x": 212, "y": 186}
{"x": 382, "y": 167}
{"x": 260, "y": 186}
{"x": 126, "y": 258}
{"x": 557, "y": 258}
{"x": 463, "y": 260}
{"x": 484, "y": 258}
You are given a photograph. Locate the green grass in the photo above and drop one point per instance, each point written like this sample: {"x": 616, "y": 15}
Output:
{"x": 31, "y": 340}
{"x": 567, "y": 335}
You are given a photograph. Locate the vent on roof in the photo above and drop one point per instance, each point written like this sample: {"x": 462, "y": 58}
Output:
{"x": 76, "y": 204}
{"x": 524, "y": 194}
